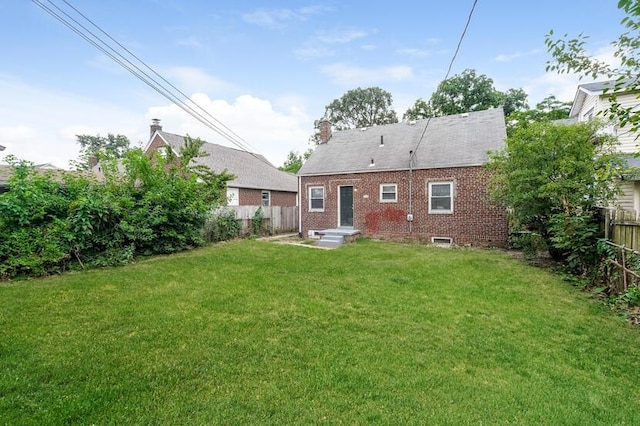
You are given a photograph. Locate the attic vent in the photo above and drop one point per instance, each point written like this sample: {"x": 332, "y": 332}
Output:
{"x": 373, "y": 163}
{"x": 464, "y": 114}
{"x": 381, "y": 140}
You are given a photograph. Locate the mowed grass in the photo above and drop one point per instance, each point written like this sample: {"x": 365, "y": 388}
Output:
{"x": 252, "y": 332}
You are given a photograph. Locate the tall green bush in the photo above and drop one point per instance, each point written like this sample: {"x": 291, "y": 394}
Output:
{"x": 554, "y": 177}
{"x": 49, "y": 223}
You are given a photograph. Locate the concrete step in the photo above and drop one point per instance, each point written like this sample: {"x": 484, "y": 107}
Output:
{"x": 331, "y": 241}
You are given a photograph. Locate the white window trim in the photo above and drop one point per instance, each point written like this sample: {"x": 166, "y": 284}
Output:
{"x": 262, "y": 198}
{"x": 233, "y": 196}
{"x": 395, "y": 193}
{"x": 451, "y": 195}
{"x": 323, "y": 198}
{"x": 443, "y": 241}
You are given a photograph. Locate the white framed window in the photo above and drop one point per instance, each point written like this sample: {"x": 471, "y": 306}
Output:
{"x": 233, "y": 196}
{"x": 266, "y": 198}
{"x": 440, "y": 197}
{"x": 589, "y": 114}
{"x": 316, "y": 198}
{"x": 389, "y": 193}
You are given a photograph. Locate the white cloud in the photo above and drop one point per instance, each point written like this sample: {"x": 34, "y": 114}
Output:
{"x": 40, "y": 125}
{"x": 517, "y": 55}
{"x": 191, "y": 41}
{"x": 340, "y": 36}
{"x": 267, "y": 131}
{"x": 414, "y": 52}
{"x": 192, "y": 79}
{"x": 564, "y": 86}
{"x": 346, "y": 75}
{"x": 277, "y": 18}
{"x": 313, "y": 52}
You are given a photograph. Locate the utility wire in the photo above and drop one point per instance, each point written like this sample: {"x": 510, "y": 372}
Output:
{"x": 142, "y": 75}
{"x": 155, "y": 73}
{"x": 455, "y": 54}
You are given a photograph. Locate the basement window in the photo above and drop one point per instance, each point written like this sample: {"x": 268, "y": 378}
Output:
{"x": 442, "y": 241}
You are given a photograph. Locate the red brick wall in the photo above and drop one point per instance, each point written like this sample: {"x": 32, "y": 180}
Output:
{"x": 253, "y": 197}
{"x": 156, "y": 143}
{"x": 474, "y": 219}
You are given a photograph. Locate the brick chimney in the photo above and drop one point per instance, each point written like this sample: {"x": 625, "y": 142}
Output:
{"x": 155, "y": 126}
{"x": 325, "y": 130}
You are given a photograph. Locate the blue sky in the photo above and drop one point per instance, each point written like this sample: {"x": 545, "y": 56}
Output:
{"x": 266, "y": 69}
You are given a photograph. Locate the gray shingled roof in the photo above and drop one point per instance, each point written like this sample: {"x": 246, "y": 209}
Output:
{"x": 595, "y": 88}
{"x": 449, "y": 141}
{"x": 251, "y": 170}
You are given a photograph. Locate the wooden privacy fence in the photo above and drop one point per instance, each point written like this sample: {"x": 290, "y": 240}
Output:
{"x": 277, "y": 219}
{"x": 622, "y": 227}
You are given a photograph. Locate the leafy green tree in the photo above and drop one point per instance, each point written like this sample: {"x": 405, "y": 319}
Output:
{"x": 553, "y": 177}
{"x": 93, "y": 147}
{"x": 295, "y": 160}
{"x": 358, "y": 108}
{"x": 548, "y": 109}
{"x": 52, "y": 221}
{"x": 570, "y": 55}
{"x": 467, "y": 92}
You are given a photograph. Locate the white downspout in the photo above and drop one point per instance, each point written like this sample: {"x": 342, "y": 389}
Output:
{"x": 299, "y": 203}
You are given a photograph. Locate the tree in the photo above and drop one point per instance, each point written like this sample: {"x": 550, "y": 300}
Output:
{"x": 464, "y": 93}
{"x": 92, "y": 147}
{"x": 548, "y": 109}
{"x": 553, "y": 177}
{"x": 358, "y": 108}
{"x": 295, "y": 160}
{"x": 571, "y": 56}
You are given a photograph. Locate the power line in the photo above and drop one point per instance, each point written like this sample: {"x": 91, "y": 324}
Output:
{"x": 154, "y": 72}
{"x": 453, "y": 58}
{"x": 139, "y": 73}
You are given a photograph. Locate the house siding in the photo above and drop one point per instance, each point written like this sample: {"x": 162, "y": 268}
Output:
{"x": 591, "y": 101}
{"x": 253, "y": 197}
{"x": 474, "y": 221}
{"x": 626, "y": 138}
{"x": 626, "y": 198}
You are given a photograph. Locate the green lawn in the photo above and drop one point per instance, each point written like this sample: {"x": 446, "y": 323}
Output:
{"x": 252, "y": 332}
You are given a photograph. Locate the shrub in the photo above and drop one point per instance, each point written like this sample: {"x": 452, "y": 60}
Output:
{"x": 222, "y": 226}
{"x": 156, "y": 206}
{"x": 257, "y": 222}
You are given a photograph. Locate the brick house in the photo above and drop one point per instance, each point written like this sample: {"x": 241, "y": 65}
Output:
{"x": 257, "y": 182}
{"x": 420, "y": 180}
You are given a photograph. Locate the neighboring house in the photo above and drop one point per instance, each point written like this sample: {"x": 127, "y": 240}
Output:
{"x": 257, "y": 182}
{"x": 6, "y": 171}
{"x": 412, "y": 180}
{"x": 591, "y": 99}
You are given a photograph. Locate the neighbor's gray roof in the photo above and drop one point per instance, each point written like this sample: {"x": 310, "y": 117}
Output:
{"x": 251, "y": 170}
{"x": 595, "y": 88}
{"x": 449, "y": 141}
